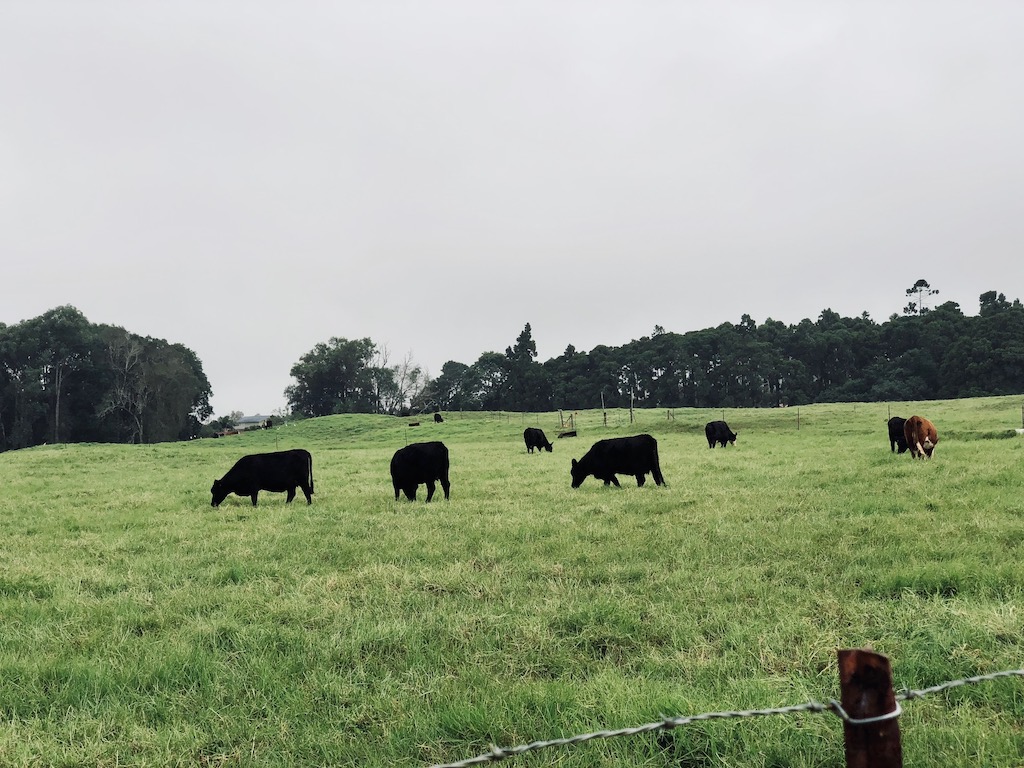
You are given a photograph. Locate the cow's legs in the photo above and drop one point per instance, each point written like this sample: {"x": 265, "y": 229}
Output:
{"x": 308, "y": 491}
{"x": 445, "y": 485}
{"x": 431, "y": 485}
{"x": 253, "y": 497}
{"x": 291, "y": 495}
{"x": 641, "y": 478}
{"x": 615, "y": 480}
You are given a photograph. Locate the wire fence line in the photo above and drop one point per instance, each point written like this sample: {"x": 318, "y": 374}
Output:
{"x": 502, "y": 753}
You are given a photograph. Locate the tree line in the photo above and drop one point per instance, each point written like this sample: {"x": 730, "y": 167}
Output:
{"x": 64, "y": 379}
{"x": 922, "y": 354}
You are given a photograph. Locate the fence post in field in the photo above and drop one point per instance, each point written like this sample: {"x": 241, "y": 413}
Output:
{"x": 865, "y": 682}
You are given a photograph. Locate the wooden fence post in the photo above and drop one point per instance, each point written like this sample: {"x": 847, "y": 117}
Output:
{"x": 865, "y": 682}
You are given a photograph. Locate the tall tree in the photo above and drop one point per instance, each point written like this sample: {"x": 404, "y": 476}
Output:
{"x": 450, "y": 390}
{"x": 487, "y": 381}
{"x": 919, "y": 291}
{"x": 334, "y": 377}
{"x": 394, "y": 386}
{"x": 129, "y": 395}
{"x": 528, "y": 383}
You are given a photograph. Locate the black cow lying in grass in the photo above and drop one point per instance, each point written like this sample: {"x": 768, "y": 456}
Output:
{"x": 635, "y": 455}
{"x": 420, "y": 463}
{"x": 278, "y": 472}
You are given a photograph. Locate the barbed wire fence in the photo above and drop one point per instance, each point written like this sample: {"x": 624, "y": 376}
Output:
{"x": 892, "y": 711}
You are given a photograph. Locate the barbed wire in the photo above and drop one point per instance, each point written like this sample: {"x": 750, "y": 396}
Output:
{"x": 906, "y": 694}
{"x": 502, "y": 753}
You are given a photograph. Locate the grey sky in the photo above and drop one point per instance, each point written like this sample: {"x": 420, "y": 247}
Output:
{"x": 252, "y": 178}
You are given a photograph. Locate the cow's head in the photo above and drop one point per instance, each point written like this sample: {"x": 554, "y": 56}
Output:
{"x": 578, "y": 475}
{"x": 548, "y": 447}
{"x": 219, "y": 493}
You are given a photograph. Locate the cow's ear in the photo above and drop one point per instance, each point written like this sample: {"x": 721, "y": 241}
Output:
{"x": 574, "y": 462}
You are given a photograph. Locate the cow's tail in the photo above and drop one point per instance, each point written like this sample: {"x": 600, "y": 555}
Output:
{"x": 657, "y": 467}
{"x": 311, "y": 475}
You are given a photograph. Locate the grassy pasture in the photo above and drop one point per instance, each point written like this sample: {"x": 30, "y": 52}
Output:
{"x": 140, "y": 626}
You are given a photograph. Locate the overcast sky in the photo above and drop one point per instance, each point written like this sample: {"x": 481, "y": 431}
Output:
{"x": 252, "y": 178}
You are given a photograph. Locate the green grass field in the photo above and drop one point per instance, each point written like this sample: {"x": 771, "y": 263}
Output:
{"x": 140, "y": 626}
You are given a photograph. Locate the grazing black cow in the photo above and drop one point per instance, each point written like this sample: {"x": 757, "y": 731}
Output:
{"x": 437, "y": 418}
{"x": 279, "y": 471}
{"x": 635, "y": 456}
{"x": 897, "y": 439}
{"x": 535, "y": 438}
{"x": 719, "y": 432}
{"x": 420, "y": 463}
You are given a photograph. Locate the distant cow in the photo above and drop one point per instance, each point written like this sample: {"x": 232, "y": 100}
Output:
{"x": 921, "y": 437}
{"x": 277, "y": 472}
{"x": 420, "y": 463}
{"x": 897, "y": 437}
{"x": 635, "y": 456}
{"x": 437, "y": 418}
{"x": 719, "y": 432}
{"x": 535, "y": 438}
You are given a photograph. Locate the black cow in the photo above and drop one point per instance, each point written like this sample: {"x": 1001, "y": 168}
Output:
{"x": 896, "y": 437}
{"x": 278, "y": 472}
{"x": 635, "y": 455}
{"x": 719, "y": 432}
{"x": 438, "y": 418}
{"x": 420, "y": 463}
{"x": 535, "y": 438}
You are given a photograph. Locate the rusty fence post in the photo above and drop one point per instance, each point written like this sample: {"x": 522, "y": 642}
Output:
{"x": 865, "y": 683}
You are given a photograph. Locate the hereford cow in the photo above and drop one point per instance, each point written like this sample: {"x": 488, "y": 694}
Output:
{"x": 921, "y": 437}
{"x": 420, "y": 463}
{"x": 535, "y": 438}
{"x": 719, "y": 432}
{"x": 635, "y": 456}
{"x": 897, "y": 438}
{"x": 278, "y": 472}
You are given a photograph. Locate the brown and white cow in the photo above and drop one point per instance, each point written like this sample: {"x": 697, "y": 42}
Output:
{"x": 921, "y": 437}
